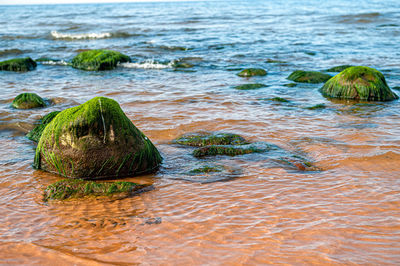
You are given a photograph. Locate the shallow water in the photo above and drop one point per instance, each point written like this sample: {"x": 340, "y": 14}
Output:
{"x": 266, "y": 212}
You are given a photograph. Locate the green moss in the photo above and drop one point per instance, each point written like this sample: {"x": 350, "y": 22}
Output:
{"x": 317, "y": 106}
{"x": 250, "y": 86}
{"x": 338, "y": 68}
{"x": 228, "y": 150}
{"x": 279, "y": 99}
{"x": 18, "y": 64}
{"x": 250, "y": 72}
{"x": 205, "y": 139}
{"x": 308, "y": 76}
{"x": 28, "y": 101}
{"x": 95, "y": 140}
{"x": 95, "y": 60}
{"x": 358, "y": 83}
{"x": 36, "y": 133}
{"x": 78, "y": 188}
{"x": 206, "y": 169}
{"x": 290, "y": 85}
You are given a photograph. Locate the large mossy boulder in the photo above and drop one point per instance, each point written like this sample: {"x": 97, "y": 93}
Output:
{"x": 94, "y": 60}
{"x": 36, "y": 133}
{"x": 359, "y": 83}
{"x": 78, "y": 188}
{"x": 308, "y": 76}
{"x": 28, "y": 101}
{"x": 18, "y": 64}
{"x": 250, "y": 72}
{"x": 95, "y": 140}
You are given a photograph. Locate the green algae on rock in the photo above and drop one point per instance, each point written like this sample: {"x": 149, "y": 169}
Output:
{"x": 317, "y": 106}
{"x": 279, "y": 99}
{"x": 229, "y": 150}
{"x": 250, "y": 86}
{"x": 250, "y": 72}
{"x": 338, "y": 68}
{"x": 359, "y": 83}
{"x": 36, "y": 133}
{"x": 94, "y": 60}
{"x": 28, "y": 101}
{"x": 207, "y": 169}
{"x": 308, "y": 76}
{"x": 78, "y": 188}
{"x": 95, "y": 140}
{"x": 290, "y": 85}
{"x": 18, "y": 64}
{"x": 202, "y": 139}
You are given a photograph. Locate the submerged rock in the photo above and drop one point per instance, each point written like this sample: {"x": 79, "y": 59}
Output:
{"x": 309, "y": 76}
{"x": 78, "y": 188}
{"x": 250, "y": 72}
{"x": 250, "y": 86}
{"x": 338, "y": 68}
{"x": 207, "y": 169}
{"x": 18, "y": 64}
{"x": 94, "y": 60}
{"x": 95, "y": 140}
{"x": 279, "y": 99}
{"x": 28, "y": 101}
{"x": 201, "y": 139}
{"x": 359, "y": 83}
{"x": 230, "y": 150}
{"x": 36, "y": 133}
{"x": 317, "y": 106}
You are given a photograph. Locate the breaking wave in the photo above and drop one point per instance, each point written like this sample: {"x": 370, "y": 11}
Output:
{"x": 148, "y": 64}
{"x": 85, "y": 36}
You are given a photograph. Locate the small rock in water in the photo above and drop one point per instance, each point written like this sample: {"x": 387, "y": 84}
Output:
{"x": 308, "y": 76}
{"x": 78, "y": 188}
{"x": 18, "y": 64}
{"x": 250, "y": 72}
{"x": 359, "y": 83}
{"x": 95, "y": 60}
{"x": 201, "y": 139}
{"x": 28, "y": 101}
{"x": 338, "y": 68}
{"x": 250, "y": 86}
{"x": 230, "y": 150}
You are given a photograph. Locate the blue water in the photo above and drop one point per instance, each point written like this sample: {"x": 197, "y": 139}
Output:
{"x": 267, "y": 213}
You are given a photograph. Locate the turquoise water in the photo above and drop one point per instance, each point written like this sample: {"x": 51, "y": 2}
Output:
{"x": 266, "y": 212}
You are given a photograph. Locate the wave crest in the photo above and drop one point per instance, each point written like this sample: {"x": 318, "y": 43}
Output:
{"x": 82, "y": 36}
{"x": 148, "y": 64}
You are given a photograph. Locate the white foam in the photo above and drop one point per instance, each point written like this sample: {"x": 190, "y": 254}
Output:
{"x": 58, "y": 35}
{"x": 148, "y": 64}
{"x": 55, "y": 63}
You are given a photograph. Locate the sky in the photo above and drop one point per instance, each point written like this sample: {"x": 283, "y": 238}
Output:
{"x": 31, "y": 2}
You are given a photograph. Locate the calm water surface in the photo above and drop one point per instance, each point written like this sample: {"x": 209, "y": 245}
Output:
{"x": 265, "y": 212}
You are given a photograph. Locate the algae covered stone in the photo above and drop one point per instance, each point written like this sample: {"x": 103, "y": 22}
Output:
{"x": 201, "y": 139}
{"x": 36, "y": 133}
{"x": 250, "y": 72}
{"x": 28, "y": 101}
{"x": 95, "y": 140}
{"x": 18, "y": 64}
{"x": 229, "y": 150}
{"x": 78, "y": 188}
{"x": 309, "y": 76}
{"x": 358, "y": 83}
{"x": 94, "y": 60}
{"x": 250, "y": 86}
{"x": 338, "y": 68}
